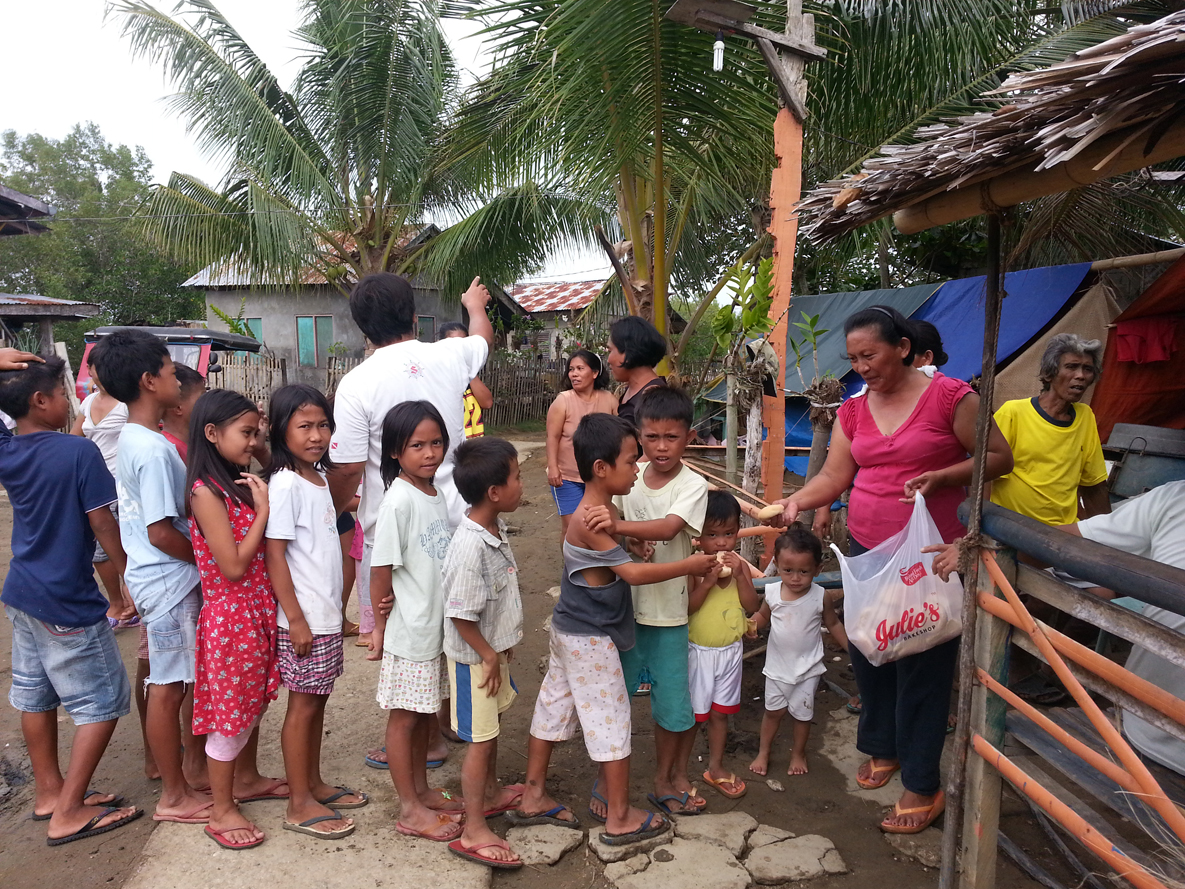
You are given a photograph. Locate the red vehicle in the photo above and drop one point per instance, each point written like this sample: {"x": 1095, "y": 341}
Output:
{"x": 194, "y": 346}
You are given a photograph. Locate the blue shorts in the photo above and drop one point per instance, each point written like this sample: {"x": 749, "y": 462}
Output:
{"x": 660, "y": 656}
{"x": 78, "y": 668}
{"x": 567, "y": 496}
{"x": 172, "y": 642}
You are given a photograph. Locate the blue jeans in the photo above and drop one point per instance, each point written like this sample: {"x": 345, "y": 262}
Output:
{"x": 172, "y": 642}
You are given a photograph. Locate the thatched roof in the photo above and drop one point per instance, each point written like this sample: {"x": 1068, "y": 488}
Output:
{"x": 1110, "y": 109}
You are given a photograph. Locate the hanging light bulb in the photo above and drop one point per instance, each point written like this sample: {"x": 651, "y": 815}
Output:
{"x": 718, "y": 52}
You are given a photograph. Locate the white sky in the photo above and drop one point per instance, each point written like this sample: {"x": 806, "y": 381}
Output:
{"x": 67, "y": 66}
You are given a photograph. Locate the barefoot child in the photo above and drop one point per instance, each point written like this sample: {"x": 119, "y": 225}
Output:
{"x": 64, "y": 652}
{"x": 237, "y": 673}
{"x": 796, "y": 610}
{"x": 592, "y": 622}
{"x": 304, "y": 561}
{"x": 716, "y": 623}
{"x": 484, "y": 617}
{"x": 410, "y": 542}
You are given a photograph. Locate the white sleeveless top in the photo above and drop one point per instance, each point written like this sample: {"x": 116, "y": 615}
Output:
{"x": 795, "y": 651}
{"x": 105, "y": 433}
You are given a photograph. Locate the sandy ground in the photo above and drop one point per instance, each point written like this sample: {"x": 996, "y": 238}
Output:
{"x": 145, "y": 854}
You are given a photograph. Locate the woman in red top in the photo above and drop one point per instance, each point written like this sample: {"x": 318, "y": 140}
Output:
{"x": 908, "y": 434}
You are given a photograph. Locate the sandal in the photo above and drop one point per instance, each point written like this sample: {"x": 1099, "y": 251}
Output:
{"x": 454, "y": 830}
{"x": 457, "y": 847}
{"x": 89, "y": 829}
{"x": 934, "y": 810}
{"x": 718, "y": 785}
{"x": 306, "y": 827}
{"x": 219, "y": 836}
{"x": 873, "y": 771}
{"x": 552, "y": 816}
{"x": 683, "y": 799}
{"x": 363, "y": 799}
{"x": 856, "y": 707}
{"x": 595, "y": 794}
{"x": 644, "y": 832}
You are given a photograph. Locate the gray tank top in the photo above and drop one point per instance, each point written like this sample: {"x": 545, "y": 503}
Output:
{"x": 585, "y": 610}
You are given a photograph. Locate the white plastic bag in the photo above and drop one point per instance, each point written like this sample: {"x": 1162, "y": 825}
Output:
{"x": 893, "y": 605}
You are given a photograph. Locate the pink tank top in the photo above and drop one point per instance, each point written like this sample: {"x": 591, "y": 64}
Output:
{"x": 926, "y": 441}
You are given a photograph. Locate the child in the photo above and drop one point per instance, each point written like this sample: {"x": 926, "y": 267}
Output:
{"x": 592, "y": 622}
{"x": 175, "y": 424}
{"x": 667, "y": 507}
{"x": 304, "y": 561}
{"x": 477, "y": 397}
{"x": 236, "y": 671}
{"x": 161, "y": 575}
{"x": 716, "y": 623}
{"x": 484, "y": 622}
{"x": 411, "y": 539}
{"x": 63, "y": 649}
{"x": 795, "y": 610}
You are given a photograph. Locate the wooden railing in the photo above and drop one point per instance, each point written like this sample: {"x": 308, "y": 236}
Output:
{"x": 335, "y": 369}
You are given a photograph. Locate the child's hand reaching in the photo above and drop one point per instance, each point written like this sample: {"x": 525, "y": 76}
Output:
{"x": 702, "y": 564}
{"x": 301, "y": 637}
{"x": 258, "y": 492}
{"x": 491, "y": 676}
{"x": 374, "y": 648}
{"x": 947, "y": 560}
{"x": 600, "y": 518}
{"x": 643, "y": 549}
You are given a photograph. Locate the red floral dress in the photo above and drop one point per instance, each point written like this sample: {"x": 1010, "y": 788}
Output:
{"x": 237, "y": 668}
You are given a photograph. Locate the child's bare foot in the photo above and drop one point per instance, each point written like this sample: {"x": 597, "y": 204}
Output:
{"x": 695, "y": 803}
{"x": 260, "y": 789}
{"x": 797, "y": 765}
{"x": 44, "y": 807}
{"x": 440, "y": 800}
{"x": 504, "y": 798}
{"x": 494, "y": 848}
{"x": 63, "y": 826}
{"x": 192, "y": 808}
{"x": 760, "y": 766}
{"x": 151, "y": 772}
{"x": 235, "y": 829}
{"x": 300, "y": 814}
{"x": 633, "y": 820}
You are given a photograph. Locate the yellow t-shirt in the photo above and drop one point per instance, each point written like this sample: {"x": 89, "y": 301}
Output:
{"x": 474, "y": 425}
{"x": 1051, "y": 460}
{"x": 720, "y": 621}
{"x": 686, "y": 495}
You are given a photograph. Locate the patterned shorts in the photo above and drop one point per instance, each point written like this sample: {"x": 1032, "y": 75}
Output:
{"x": 142, "y": 645}
{"x": 585, "y": 684}
{"x": 313, "y": 674}
{"x": 417, "y": 686}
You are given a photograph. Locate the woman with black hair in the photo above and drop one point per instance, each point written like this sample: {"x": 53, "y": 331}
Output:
{"x": 635, "y": 349}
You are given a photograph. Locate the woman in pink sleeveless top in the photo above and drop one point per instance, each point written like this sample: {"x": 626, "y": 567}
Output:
{"x": 907, "y": 434}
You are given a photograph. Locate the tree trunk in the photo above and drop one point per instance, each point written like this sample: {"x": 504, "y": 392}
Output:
{"x": 730, "y": 424}
{"x": 752, "y": 472}
{"x": 820, "y": 436}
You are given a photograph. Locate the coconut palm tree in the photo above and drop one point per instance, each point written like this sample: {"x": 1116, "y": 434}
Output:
{"x": 340, "y": 172}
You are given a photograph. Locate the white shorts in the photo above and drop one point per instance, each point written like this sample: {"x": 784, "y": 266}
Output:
{"x": 715, "y": 678}
{"x": 417, "y": 686}
{"x": 799, "y": 698}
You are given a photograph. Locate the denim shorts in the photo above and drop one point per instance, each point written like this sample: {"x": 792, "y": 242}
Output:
{"x": 172, "y": 642}
{"x": 661, "y": 656}
{"x": 100, "y": 554}
{"x": 78, "y": 668}
{"x": 567, "y": 496}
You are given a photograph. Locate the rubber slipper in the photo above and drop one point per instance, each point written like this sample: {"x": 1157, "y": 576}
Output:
{"x": 645, "y": 832}
{"x": 875, "y": 770}
{"x": 306, "y": 827}
{"x": 379, "y": 764}
{"x": 454, "y": 830}
{"x": 435, "y": 763}
{"x": 551, "y": 816}
{"x": 89, "y": 829}
{"x": 1035, "y": 690}
{"x": 345, "y": 791}
{"x": 128, "y": 622}
{"x": 854, "y": 708}
{"x": 934, "y": 809}
{"x": 349, "y": 628}
{"x": 219, "y": 836}
{"x": 190, "y": 817}
{"x": 470, "y": 854}
{"x": 718, "y": 785}
{"x": 683, "y": 799}
{"x": 595, "y": 794}
{"x": 517, "y": 789}
{"x": 116, "y": 803}
{"x": 268, "y": 794}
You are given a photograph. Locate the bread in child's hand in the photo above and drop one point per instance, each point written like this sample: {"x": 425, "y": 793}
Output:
{"x": 725, "y": 571}
{"x": 769, "y": 512}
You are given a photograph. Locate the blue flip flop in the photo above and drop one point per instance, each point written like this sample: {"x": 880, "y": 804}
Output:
{"x": 645, "y": 832}
{"x": 379, "y": 764}
{"x": 683, "y": 799}
{"x": 597, "y": 796}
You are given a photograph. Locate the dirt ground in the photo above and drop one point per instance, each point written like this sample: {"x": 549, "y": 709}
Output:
{"x": 819, "y": 803}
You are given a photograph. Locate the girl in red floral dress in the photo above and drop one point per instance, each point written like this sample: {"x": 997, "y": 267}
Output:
{"x": 237, "y": 670}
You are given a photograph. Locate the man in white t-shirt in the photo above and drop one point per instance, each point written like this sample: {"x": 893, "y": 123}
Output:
{"x": 401, "y": 369}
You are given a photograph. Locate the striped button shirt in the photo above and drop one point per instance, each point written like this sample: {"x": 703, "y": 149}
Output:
{"x": 481, "y": 584}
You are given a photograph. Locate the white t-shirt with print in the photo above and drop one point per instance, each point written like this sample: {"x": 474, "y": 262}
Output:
{"x": 412, "y": 536}
{"x": 686, "y": 495}
{"x": 1153, "y": 526}
{"x": 302, "y": 513}
{"x": 409, "y": 371}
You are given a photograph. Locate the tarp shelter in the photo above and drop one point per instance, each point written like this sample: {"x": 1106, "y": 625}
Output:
{"x": 1149, "y": 393}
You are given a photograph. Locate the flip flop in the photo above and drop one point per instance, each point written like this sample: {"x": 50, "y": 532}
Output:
{"x": 190, "y": 817}
{"x": 89, "y": 829}
{"x": 934, "y": 809}
{"x": 454, "y": 830}
{"x": 551, "y": 816}
{"x": 378, "y": 763}
{"x": 116, "y": 803}
{"x": 683, "y": 799}
{"x": 470, "y": 854}
{"x": 875, "y": 770}
{"x": 854, "y": 708}
{"x": 128, "y": 622}
{"x": 349, "y": 628}
{"x": 268, "y": 794}
{"x": 518, "y": 798}
{"x": 718, "y": 785}
{"x": 597, "y": 796}
{"x": 219, "y": 836}
{"x": 345, "y": 791}
{"x": 645, "y": 832}
{"x": 306, "y": 827}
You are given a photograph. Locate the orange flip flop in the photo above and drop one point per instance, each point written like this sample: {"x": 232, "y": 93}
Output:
{"x": 934, "y": 809}
{"x": 875, "y": 770}
{"x": 718, "y": 785}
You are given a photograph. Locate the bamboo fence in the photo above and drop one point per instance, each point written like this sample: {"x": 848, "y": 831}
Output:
{"x": 255, "y": 376}
{"x": 337, "y": 368}
{"x": 524, "y": 386}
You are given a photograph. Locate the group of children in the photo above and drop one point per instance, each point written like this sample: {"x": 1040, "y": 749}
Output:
{"x": 238, "y": 582}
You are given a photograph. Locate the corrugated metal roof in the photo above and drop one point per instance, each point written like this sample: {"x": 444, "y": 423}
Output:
{"x": 27, "y": 299}
{"x": 555, "y": 296}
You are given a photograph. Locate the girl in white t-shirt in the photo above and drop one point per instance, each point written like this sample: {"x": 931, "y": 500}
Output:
{"x": 304, "y": 560}
{"x": 411, "y": 537}
{"x": 796, "y": 610}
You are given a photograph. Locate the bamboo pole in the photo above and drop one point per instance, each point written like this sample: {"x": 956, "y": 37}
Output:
{"x": 1137, "y": 260}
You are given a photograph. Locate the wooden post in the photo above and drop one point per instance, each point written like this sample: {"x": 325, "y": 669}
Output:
{"x": 732, "y": 428}
{"x": 46, "y": 345}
